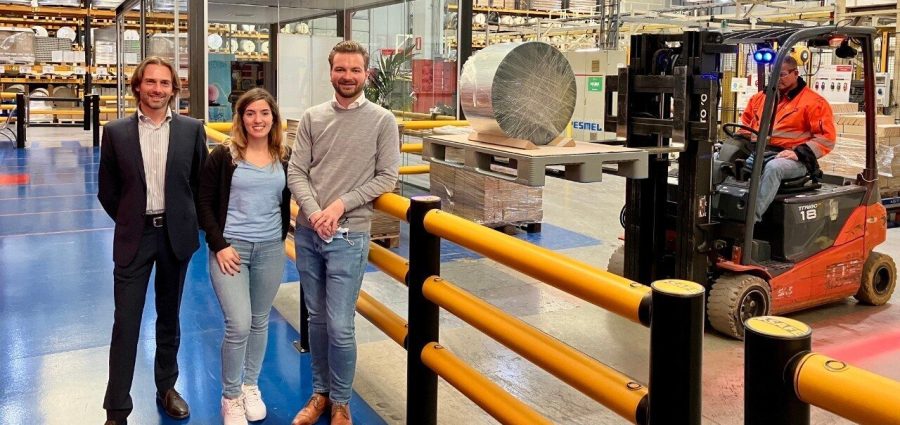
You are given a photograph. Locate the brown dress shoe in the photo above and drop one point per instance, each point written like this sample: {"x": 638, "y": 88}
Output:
{"x": 340, "y": 415}
{"x": 315, "y": 407}
{"x": 173, "y": 404}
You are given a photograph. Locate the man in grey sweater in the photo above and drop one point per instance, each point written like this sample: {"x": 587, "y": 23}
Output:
{"x": 346, "y": 155}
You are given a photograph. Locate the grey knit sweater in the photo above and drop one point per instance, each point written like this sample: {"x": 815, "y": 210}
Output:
{"x": 351, "y": 154}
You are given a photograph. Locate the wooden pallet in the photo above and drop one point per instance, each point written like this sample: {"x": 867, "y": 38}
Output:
{"x": 387, "y": 241}
{"x": 513, "y": 228}
{"x": 584, "y": 162}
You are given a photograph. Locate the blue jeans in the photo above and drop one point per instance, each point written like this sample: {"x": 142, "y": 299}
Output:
{"x": 773, "y": 174}
{"x": 331, "y": 275}
{"x": 246, "y": 300}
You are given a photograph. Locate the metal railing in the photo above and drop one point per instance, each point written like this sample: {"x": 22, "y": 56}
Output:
{"x": 676, "y": 324}
{"x": 783, "y": 377}
{"x": 90, "y": 114}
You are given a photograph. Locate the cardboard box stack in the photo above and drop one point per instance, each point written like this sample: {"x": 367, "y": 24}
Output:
{"x": 849, "y": 155}
{"x": 485, "y": 199}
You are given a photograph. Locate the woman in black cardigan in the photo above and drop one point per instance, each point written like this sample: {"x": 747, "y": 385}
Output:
{"x": 244, "y": 209}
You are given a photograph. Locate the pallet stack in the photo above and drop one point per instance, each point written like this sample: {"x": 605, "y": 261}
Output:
{"x": 849, "y": 155}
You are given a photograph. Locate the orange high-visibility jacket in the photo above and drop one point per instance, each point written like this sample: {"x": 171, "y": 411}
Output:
{"x": 805, "y": 117}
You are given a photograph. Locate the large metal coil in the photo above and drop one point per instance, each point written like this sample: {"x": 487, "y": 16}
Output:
{"x": 519, "y": 90}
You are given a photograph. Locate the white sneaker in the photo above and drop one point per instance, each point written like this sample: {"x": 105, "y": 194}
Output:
{"x": 253, "y": 404}
{"x": 233, "y": 412}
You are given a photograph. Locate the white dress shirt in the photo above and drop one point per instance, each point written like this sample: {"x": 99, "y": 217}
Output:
{"x": 154, "y": 140}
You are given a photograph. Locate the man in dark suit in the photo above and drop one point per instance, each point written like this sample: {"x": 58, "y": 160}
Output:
{"x": 150, "y": 164}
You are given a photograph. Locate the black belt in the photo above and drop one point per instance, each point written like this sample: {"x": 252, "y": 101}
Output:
{"x": 155, "y": 220}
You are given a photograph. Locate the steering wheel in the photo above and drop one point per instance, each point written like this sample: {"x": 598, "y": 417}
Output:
{"x": 729, "y": 129}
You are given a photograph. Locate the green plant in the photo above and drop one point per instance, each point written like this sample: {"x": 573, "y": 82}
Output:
{"x": 389, "y": 70}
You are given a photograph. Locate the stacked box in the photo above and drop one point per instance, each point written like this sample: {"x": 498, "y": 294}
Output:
{"x": 484, "y": 199}
{"x": 844, "y": 108}
{"x": 849, "y": 156}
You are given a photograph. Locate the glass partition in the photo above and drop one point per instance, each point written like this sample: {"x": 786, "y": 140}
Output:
{"x": 146, "y": 28}
{"x": 129, "y": 52}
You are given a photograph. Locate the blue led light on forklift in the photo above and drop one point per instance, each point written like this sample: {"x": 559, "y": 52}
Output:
{"x": 764, "y": 55}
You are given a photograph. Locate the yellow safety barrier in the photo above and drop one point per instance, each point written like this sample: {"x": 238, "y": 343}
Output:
{"x": 114, "y": 97}
{"x": 406, "y": 170}
{"x": 427, "y": 125}
{"x": 858, "y": 395}
{"x": 486, "y": 394}
{"x": 393, "y": 205}
{"x": 411, "y": 148}
{"x": 387, "y": 261}
{"x": 8, "y": 95}
{"x": 115, "y": 110}
{"x": 224, "y": 127}
{"x": 422, "y": 116}
{"x": 608, "y": 386}
{"x": 382, "y": 317}
{"x": 290, "y": 250}
{"x": 295, "y": 209}
{"x": 57, "y": 111}
{"x": 215, "y": 135}
{"x": 607, "y": 290}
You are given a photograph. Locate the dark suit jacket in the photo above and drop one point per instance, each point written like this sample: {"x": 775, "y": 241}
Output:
{"x": 123, "y": 184}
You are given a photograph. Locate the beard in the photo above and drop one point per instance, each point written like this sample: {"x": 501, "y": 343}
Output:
{"x": 152, "y": 103}
{"x": 348, "y": 94}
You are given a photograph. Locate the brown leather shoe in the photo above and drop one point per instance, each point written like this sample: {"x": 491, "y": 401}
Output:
{"x": 340, "y": 415}
{"x": 173, "y": 404}
{"x": 315, "y": 407}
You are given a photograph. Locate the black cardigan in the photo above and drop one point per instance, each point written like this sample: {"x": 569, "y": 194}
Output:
{"x": 215, "y": 191}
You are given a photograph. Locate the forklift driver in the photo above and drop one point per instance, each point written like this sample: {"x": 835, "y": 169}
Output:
{"x": 803, "y": 131}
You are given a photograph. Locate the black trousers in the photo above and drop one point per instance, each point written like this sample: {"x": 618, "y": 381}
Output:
{"x": 130, "y": 291}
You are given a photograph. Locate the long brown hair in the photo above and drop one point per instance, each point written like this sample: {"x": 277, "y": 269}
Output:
{"x": 138, "y": 77}
{"x": 237, "y": 143}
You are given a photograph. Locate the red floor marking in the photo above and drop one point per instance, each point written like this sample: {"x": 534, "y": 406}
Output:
{"x": 14, "y": 179}
{"x": 861, "y": 349}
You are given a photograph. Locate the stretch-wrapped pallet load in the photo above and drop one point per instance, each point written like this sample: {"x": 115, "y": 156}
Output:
{"x": 518, "y": 90}
{"x": 16, "y": 46}
{"x": 849, "y": 155}
{"x": 485, "y": 199}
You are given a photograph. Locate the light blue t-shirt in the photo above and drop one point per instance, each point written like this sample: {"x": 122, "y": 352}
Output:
{"x": 254, "y": 205}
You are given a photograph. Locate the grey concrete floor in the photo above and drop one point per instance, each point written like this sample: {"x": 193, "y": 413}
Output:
{"x": 841, "y": 328}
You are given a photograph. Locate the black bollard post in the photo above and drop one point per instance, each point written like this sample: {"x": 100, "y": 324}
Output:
{"x": 676, "y": 351}
{"x": 424, "y": 262}
{"x": 771, "y": 344}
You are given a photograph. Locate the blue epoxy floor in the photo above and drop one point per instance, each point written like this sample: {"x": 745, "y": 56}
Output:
{"x": 56, "y": 309}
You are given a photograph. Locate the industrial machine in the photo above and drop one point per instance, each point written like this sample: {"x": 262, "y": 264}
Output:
{"x": 693, "y": 218}
{"x": 591, "y": 68}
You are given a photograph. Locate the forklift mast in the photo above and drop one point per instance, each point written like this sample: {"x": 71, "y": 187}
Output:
{"x": 668, "y": 101}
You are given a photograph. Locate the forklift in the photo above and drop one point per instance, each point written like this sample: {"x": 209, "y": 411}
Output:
{"x": 693, "y": 218}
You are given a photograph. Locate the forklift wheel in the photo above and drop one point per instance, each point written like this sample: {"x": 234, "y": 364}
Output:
{"x": 878, "y": 280}
{"x": 733, "y": 299}
{"x": 617, "y": 261}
